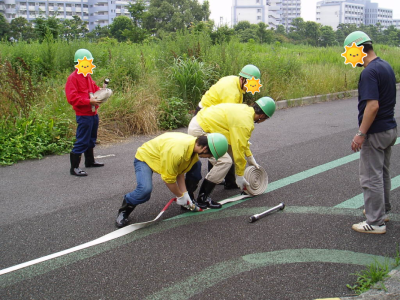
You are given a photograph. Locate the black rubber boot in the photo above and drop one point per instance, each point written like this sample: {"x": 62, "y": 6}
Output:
{"x": 204, "y": 200}
{"x": 191, "y": 186}
{"x": 230, "y": 179}
{"x": 123, "y": 214}
{"x": 89, "y": 159}
{"x": 75, "y": 161}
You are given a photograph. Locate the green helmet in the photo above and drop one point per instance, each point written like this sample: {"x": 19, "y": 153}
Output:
{"x": 218, "y": 144}
{"x": 81, "y": 53}
{"x": 250, "y": 71}
{"x": 357, "y": 37}
{"x": 268, "y": 105}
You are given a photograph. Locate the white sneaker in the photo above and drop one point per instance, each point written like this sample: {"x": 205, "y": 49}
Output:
{"x": 385, "y": 217}
{"x": 363, "y": 227}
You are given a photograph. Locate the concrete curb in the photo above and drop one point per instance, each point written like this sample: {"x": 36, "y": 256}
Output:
{"x": 318, "y": 98}
{"x": 315, "y": 99}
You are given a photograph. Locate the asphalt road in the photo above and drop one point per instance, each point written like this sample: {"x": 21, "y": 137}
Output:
{"x": 306, "y": 251}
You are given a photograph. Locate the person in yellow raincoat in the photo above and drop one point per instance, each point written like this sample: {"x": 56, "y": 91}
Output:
{"x": 229, "y": 89}
{"x": 236, "y": 123}
{"x": 171, "y": 155}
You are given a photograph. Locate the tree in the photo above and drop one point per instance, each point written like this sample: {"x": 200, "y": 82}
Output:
{"x": 312, "y": 32}
{"x": 44, "y": 26}
{"x": 21, "y": 29}
{"x": 248, "y": 34}
{"x": 121, "y": 27}
{"x": 99, "y": 32}
{"x": 222, "y": 34}
{"x": 297, "y": 30}
{"x": 327, "y": 37}
{"x": 138, "y": 14}
{"x": 174, "y": 15}
{"x": 4, "y": 27}
{"x": 391, "y": 35}
{"x": 137, "y": 10}
{"x": 343, "y": 30}
{"x": 74, "y": 28}
{"x": 242, "y": 25}
{"x": 264, "y": 35}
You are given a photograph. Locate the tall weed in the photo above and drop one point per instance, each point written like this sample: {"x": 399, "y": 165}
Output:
{"x": 190, "y": 78}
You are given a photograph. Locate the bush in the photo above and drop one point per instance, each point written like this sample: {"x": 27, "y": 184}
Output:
{"x": 173, "y": 114}
{"x": 33, "y": 138}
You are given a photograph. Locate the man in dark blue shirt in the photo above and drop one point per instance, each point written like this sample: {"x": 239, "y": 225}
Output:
{"x": 376, "y": 135}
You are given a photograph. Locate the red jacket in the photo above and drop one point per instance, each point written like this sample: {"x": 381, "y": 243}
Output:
{"x": 77, "y": 91}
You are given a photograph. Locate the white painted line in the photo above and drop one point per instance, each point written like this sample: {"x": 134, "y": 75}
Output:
{"x": 102, "y": 156}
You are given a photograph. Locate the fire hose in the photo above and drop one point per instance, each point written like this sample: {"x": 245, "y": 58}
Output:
{"x": 258, "y": 183}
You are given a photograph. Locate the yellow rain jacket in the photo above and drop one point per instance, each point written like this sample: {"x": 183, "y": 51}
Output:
{"x": 236, "y": 123}
{"x": 169, "y": 154}
{"x": 226, "y": 90}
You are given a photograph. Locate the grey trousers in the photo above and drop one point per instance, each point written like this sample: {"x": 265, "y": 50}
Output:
{"x": 375, "y": 174}
{"x": 220, "y": 166}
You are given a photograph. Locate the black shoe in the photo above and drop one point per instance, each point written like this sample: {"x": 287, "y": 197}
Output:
{"x": 204, "y": 201}
{"x": 123, "y": 214}
{"x": 209, "y": 203}
{"x": 90, "y": 161}
{"x": 78, "y": 172}
{"x": 75, "y": 161}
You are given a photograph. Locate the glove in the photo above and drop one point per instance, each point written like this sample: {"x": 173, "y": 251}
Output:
{"x": 241, "y": 182}
{"x": 252, "y": 161}
{"x": 187, "y": 203}
{"x": 184, "y": 200}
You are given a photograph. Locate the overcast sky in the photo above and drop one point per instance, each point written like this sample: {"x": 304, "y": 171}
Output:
{"x": 222, "y": 8}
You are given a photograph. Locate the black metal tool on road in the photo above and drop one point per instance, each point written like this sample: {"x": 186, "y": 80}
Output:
{"x": 256, "y": 217}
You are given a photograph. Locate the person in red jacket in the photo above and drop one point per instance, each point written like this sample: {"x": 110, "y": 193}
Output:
{"x": 79, "y": 91}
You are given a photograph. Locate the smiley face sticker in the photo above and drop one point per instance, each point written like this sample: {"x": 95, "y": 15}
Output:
{"x": 253, "y": 85}
{"x": 354, "y": 55}
{"x": 85, "y": 66}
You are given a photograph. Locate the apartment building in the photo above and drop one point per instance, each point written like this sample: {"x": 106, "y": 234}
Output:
{"x": 271, "y": 12}
{"x": 335, "y": 12}
{"x": 396, "y": 23}
{"x": 253, "y": 11}
{"x": 99, "y": 12}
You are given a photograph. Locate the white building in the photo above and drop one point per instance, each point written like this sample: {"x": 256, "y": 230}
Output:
{"x": 100, "y": 12}
{"x": 253, "y": 11}
{"x": 271, "y": 12}
{"x": 288, "y": 10}
{"x": 335, "y": 12}
{"x": 396, "y": 23}
{"x": 375, "y": 14}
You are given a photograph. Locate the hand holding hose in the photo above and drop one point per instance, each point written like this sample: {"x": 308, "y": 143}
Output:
{"x": 241, "y": 182}
{"x": 187, "y": 203}
{"x": 252, "y": 162}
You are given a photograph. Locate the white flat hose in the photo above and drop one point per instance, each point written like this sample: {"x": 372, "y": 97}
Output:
{"x": 258, "y": 183}
{"x": 108, "y": 237}
{"x": 257, "y": 179}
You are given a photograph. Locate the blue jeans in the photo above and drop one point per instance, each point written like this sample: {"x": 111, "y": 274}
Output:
{"x": 86, "y": 133}
{"x": 144, "y": 186}
{"x": 194, "y": 174}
